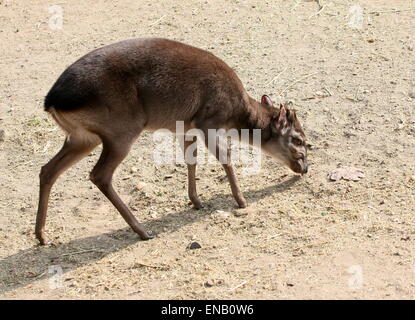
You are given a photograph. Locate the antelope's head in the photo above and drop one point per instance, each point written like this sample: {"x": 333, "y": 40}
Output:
{"x": 287, "y": 139}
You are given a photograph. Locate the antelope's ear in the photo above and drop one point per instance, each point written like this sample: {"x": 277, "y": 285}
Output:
{"x": 292, "y": 115}
{"x": 267, "y": 100}
{"x": 282, "y": 121}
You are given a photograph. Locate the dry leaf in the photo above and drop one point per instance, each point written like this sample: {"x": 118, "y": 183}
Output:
{"x": 346, "y": 173}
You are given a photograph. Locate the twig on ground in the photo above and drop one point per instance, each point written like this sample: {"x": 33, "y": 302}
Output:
{"x": 295, "y": 6}
{"x": 39, "y": 276}
{"x": 140, "y": 264}
{"x": 328, "y": 91}
{"x": 241, "y": 284}
{"x": 298, "y": 80}
{"x": 391, "y": 11}
{"x": 157, "y": 21}
{"x": 353, "y": 99}
{"x": 308, "y": 98}
{"x": 276, "y": 77}
{"x": 317, "y": 13}
{"x": 81, "y": 251}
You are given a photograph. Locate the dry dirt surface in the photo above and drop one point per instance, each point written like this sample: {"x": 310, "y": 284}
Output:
{"x": 352, "y": 79}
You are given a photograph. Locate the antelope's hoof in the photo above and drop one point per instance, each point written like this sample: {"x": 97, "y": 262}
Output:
{"x": 43, "y": 240}
{"x": 147, "y": 237}
{"x": 242, "y": 203}
{"x": 197, "y": 204}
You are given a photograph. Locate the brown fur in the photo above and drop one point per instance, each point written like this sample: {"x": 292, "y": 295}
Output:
{"x": 115, "y": 92}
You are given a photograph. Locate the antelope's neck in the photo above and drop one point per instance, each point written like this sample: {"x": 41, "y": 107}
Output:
{"x": 257, "y": 116}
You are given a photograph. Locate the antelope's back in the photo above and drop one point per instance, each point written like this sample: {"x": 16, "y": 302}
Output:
{"x": 163, "y": 75}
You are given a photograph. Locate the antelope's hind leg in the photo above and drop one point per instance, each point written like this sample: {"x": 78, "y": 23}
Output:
{"x": 75, "y": 147}
{"x": 113, "y": 152}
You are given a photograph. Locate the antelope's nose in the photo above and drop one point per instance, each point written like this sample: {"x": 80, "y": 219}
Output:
{"x": 305, "y": 165}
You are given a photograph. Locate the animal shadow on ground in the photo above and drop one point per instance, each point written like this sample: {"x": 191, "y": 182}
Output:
{"x": 35, "y": 263}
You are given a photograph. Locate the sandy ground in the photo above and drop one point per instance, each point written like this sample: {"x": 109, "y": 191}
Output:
{"x": 301, "y": 238}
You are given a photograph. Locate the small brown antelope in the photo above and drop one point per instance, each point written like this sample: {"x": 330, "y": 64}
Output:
{"x": 112, "y": 94}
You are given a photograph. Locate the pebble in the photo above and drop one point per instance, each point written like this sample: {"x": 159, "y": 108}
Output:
{"x": 140, "y": 186}
{"x": 194, "y": 245}
{"x": 2, "y": 135}
{"x": 222, "y": 214}
{"x": 310, "y": 146}
{"x": 412, "y": 94}
{"x": 133, "y": 169}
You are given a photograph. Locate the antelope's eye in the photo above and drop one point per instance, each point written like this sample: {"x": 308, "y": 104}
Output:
{"x": 297, "y": 142}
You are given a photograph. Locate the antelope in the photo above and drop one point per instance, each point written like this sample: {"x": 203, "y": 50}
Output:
{"x": 113, "y": 93}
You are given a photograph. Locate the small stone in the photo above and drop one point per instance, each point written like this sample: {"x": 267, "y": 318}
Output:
{"x": 2, "y": 135}
{"x": 140, "y": 186}
{"x": 209, "y": 284}
{"x": 133, "y": 169}
{"x": 194, "y": 245}
{"x": 412, "y": 94}
{"x": 290, "y": 284}
{"x": 222, "y": 214}
{"x": 310, "y": 146}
